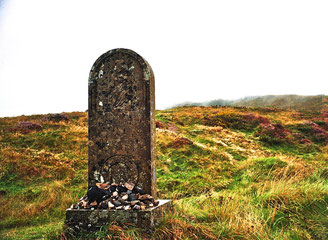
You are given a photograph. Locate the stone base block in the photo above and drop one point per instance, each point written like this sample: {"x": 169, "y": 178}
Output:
{"x": 93, "y": 220}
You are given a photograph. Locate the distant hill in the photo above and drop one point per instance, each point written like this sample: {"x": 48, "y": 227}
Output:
{"x": 295, "y": 102}
{"x": 216, "y": 102}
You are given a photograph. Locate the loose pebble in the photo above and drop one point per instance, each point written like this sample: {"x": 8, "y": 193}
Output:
{"x": 116, "y": 196}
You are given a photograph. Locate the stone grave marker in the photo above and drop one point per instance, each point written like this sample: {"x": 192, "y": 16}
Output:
{"x": 121, "y": 136}
{"x": 122, "y": 120}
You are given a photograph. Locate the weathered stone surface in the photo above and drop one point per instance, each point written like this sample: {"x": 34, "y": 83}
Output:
{"x": 121, "y": 121}
{"x": 87, "y": 219}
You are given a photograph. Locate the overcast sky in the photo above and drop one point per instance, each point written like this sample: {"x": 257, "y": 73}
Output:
{"x": 199, "y": 50}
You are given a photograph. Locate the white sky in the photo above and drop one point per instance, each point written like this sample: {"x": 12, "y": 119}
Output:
{"x": 199, "y": 50}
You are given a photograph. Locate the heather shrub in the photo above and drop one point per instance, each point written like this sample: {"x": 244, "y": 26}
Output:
{"x": 231, "y": 120}
{"x": 26, "y": 127}
{"x": 159, "y": 124}
{"x": 55, "y": 117}
{"x": 180, "y": 142}
{"x": 255, "y": 119}
{"x": 273, "y": 133}
{"x": 313, "y": 132}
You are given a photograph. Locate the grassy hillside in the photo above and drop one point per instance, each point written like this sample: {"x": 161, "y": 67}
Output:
{"x": 232, "y": 172}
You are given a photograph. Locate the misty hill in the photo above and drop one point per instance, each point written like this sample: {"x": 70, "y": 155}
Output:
{"x": 294, "y": 102}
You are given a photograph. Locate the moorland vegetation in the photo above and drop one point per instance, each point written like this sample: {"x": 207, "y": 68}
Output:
{"x": 232, "y": 173}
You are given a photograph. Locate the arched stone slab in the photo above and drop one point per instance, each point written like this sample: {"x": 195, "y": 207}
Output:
{"x": 121, "y": 120}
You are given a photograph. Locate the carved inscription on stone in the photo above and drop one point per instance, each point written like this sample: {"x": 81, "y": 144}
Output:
{"x": 118, "y": 169}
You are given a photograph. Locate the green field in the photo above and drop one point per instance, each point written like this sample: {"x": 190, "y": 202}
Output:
{"x": 232, "y": 173}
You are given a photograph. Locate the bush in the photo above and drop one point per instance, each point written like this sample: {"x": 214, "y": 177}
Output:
{"x": 313, "y": 132}
{"x": 56, "y": 117}
{"x": 26, "y": 127}
{"x": 273, "y": 133}
{"x": 231, "y": 120}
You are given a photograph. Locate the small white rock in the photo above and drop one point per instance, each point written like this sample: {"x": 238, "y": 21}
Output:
{"x": 101, "y": 179}
{"x": 136, "y": 207}
{"x": 134, "y": 202}
{"x": 129, "y": 186}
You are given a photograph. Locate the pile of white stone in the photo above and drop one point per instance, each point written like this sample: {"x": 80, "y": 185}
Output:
{"x": 116, "y": 196}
